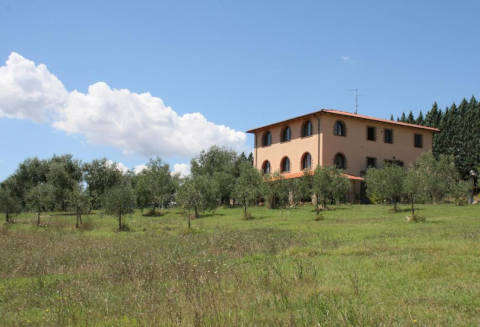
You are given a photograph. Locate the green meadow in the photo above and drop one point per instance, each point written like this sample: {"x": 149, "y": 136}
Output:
{"x": 362, "y": 265}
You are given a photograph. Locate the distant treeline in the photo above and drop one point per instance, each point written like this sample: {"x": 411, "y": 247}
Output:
{"x": 459, "y": 134}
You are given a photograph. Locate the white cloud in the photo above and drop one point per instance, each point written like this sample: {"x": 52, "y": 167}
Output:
{"x": 346, "y": 59}
{"x": 139, "y": 168}
{"x": 29, "y": 91}
{"x": 136, "y": 123}
{"x": 182, "y": 169}
{"x": 118, "y": 165}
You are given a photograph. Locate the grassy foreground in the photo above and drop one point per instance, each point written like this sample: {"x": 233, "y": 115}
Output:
{"x": 361, "y": 266}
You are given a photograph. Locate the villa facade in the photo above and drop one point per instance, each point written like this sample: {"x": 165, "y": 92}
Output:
{"x": 352, "y": 142}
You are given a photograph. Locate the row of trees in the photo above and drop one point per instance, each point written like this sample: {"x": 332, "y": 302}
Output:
{"x": 459, "y": 134}
{"x": 427, "y": 180}
{"x": 218, "y": 177}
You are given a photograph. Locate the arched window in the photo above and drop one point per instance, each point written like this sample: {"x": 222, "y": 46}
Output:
{"x": 267, "y": 138}
{"x": 307, "y": 128}
{"x": 266, "y": 167}
{"x": 306, "y": 161}
{"x": 286, "y": 134}
{"x": 340, "y": 161}
{"x": 285, "y": 165}
{"x": 339, "y": 129}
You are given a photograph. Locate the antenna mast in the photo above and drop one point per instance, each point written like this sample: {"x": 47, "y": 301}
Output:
{"x": 356, "y": 99}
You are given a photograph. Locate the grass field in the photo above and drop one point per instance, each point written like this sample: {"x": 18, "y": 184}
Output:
{"x": 360, "y": 266}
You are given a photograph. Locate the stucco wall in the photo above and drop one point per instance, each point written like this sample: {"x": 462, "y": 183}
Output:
{"x": 356, "y": 148}
{"x": 294, "y": 149}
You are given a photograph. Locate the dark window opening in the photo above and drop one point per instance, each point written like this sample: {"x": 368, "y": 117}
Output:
{"x": 306, "y": 161}
{"x": 371, "y": 133}
{"x": 285, "y": 166}
{"x": 267, "y": 139}
{"x": 339, "y": 129}
{"x": 371, "y": 162}
{"x": 340, "y": 161}
{"x": 266, "y": 167}
{"x": 307, "y": 129}
{"x": 286, "y": 134}
{"x": 388, "y": 136}
{"x": 418, "y": 141}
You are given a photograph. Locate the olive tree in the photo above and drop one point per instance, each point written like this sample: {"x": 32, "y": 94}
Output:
{"x": 329, "y": 183}
{"x": 119, "y": 200}
{"x": 386, "y": 184}
{"x": 40, "y": 198}
{"x": 79, "y": 200}
{"x": 247, "y": 186}
{"x": 9, "y": 202}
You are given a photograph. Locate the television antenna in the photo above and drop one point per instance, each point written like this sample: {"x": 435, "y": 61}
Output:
{"x": 355, "y": 92}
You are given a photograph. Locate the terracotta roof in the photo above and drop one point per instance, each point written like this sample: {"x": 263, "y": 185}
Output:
{"x": 300, "y": 174}
{"x": 346, "y": 114}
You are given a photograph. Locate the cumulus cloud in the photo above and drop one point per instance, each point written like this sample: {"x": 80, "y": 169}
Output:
{"x": 182, "y": 169}
{"x": 139, "y": 168}
{"x": 136, "y": 123}
{"x": 118, "y": 165}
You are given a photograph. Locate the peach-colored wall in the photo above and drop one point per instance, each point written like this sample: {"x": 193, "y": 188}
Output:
{"x": 324, "y": 145}
{"x": 294, "y": 149}
{"x": 356, "y": 148}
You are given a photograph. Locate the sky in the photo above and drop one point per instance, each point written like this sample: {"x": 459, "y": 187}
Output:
{"x": 131, "y": 80}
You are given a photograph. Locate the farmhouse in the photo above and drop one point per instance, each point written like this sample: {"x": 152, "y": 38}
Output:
{"x": 352, "y": 142}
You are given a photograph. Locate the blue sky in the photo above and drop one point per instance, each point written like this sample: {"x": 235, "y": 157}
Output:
{"x": 240, "y": 64}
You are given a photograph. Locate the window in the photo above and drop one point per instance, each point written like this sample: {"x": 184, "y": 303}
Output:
{"x": 388, "y": 135}
{"x": 394, "y": 162}
{"x": 266, "y": 167}
{"x": 371, "y": 162}
{"x": 307, "y": 129}
{"x": 286, "y": 134}
{"x": 306, "y": 161}
{"x": 285, "y": 165}
{"x": 340, "y": 161}
{"x": 339, "y": 129}
{"x": 371, "y": 133}
{"x": 267, "y": 139}
{"x": 418, "y": 140}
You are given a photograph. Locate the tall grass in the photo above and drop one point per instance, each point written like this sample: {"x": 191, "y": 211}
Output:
{"x": 361, "y": 266}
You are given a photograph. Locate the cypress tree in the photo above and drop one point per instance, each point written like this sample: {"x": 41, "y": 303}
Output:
{"x": 420, "y": 120}
{"x": 410, "y": 119}
{"x": 403, "y": 118}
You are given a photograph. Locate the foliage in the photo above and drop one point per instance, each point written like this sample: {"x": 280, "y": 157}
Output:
{"x": 119, "y": 200}
{"x": 9, "y": 202}
{"x": 198, "y": 193}
{"x": 459, "y": 134}
{"x": 247, "y": 186}
{"x": 386, "y": 184}
{"x": 276, "y": 189}
{"x": 40, "y": 198}
{"x": 79, "y": 201}
{"x": 329, "y": 184}
{"x": 64, "y": 173}
{"x": 100, "y": 176}
{"x": 157, "y": 183}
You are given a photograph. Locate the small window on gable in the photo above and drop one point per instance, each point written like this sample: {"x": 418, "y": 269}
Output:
{"x": 418, "y": 140}
{"x": 307, "y": 129}
{"x": 371, "y": 162}
{"x": 306, "y": 161}
{"x": 267, "y": 139}
{"x": 285, "y": 165}
{"x": 266, "y": 167}
{"x": 339, "y": 161}
{"x": 286, "y": 134}
{"x": 388, "y": 135}
{"x": 339, "y": 128}
{"x": 371, "y": 133}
